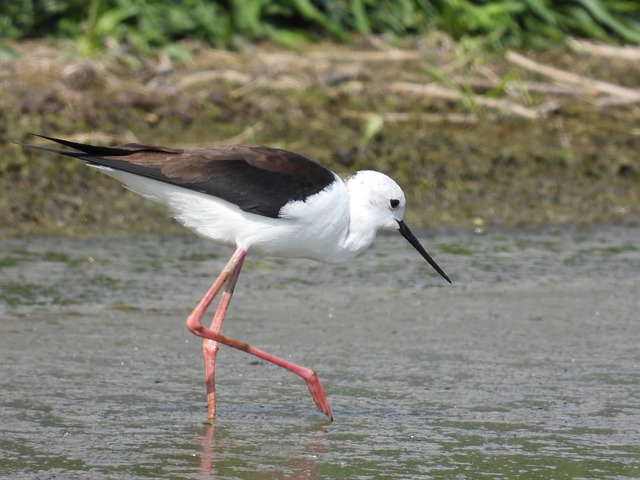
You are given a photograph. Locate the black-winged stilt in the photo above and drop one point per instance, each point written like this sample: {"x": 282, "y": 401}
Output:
{"x": 265, "y": 199}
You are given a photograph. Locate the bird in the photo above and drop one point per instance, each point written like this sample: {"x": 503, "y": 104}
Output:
{"x": 254, "y": 198}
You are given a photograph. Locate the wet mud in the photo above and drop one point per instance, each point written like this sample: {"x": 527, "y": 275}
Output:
{"x": 526, "y": 366}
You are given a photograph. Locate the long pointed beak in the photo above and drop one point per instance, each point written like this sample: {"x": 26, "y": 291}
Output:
{"x": 411, "y": 238}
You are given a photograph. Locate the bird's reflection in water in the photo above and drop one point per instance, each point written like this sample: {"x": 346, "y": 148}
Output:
{"x": 207, "y": 449}
{"x": 302, "y": 467}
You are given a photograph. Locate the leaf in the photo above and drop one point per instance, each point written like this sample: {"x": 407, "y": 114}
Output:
{"x": 371, "y": 128}
{"x": 603, "y": 16}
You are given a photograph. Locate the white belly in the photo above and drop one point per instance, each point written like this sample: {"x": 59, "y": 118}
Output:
{"x": 313, "y": 229}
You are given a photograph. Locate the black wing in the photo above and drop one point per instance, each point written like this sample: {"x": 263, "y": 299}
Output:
{"x": 259, "y": 180}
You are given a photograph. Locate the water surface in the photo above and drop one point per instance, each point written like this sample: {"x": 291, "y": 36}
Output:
{"x": 527, "y": 367}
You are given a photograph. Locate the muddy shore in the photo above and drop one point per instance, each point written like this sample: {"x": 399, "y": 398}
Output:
{"x": 462, "y": 162}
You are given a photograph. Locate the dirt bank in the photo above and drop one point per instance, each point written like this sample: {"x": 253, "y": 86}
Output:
{"x": 474, "y": 137}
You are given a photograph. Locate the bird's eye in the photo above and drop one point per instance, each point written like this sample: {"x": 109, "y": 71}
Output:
{"x": 393, "y": 203}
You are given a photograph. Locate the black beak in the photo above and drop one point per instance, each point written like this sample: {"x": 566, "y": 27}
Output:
{"x": 406, "y": 233}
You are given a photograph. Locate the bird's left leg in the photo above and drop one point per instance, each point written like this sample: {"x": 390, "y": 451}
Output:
{"x": 228, "y": 276}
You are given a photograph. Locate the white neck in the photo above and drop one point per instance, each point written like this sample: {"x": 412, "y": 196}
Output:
{"x": 363, "y": 222}
{"x": 360, "y": 236}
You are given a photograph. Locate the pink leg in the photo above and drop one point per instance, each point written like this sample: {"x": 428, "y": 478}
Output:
{"x": 230, "y": 274}
{"x": 210, "y": 347}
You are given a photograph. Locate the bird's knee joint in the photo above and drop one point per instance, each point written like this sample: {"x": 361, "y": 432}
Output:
{"x": 196, "y": 329}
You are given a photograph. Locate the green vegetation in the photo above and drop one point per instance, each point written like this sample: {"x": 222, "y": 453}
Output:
{"x": 144, "y": 25}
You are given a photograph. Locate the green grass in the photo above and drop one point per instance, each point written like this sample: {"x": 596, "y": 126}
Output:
{"x": 10, "y": 261}
{"x": 199, "y": 257}
{"x": 455, "y": 249}
{"x": 143, "y": 26}
{"x": 18, "y": 256}
{"x": 608, "y": 251}
{"x": 19, "y": 293}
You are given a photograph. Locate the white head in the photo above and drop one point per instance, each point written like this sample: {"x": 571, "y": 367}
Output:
{"x": 377, "y": 203}
{"x": 376, "y": 199}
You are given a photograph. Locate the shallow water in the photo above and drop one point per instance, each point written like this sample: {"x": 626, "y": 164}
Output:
{"x": 527, "y": 367}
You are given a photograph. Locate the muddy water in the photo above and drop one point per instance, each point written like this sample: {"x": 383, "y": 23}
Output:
{"x": 527, "y": 367}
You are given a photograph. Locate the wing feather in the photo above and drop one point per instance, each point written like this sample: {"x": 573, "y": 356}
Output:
{"x": 257, "y": 179}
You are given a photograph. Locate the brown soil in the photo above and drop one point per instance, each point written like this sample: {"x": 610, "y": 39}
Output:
{"x": 549, "y": 152}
